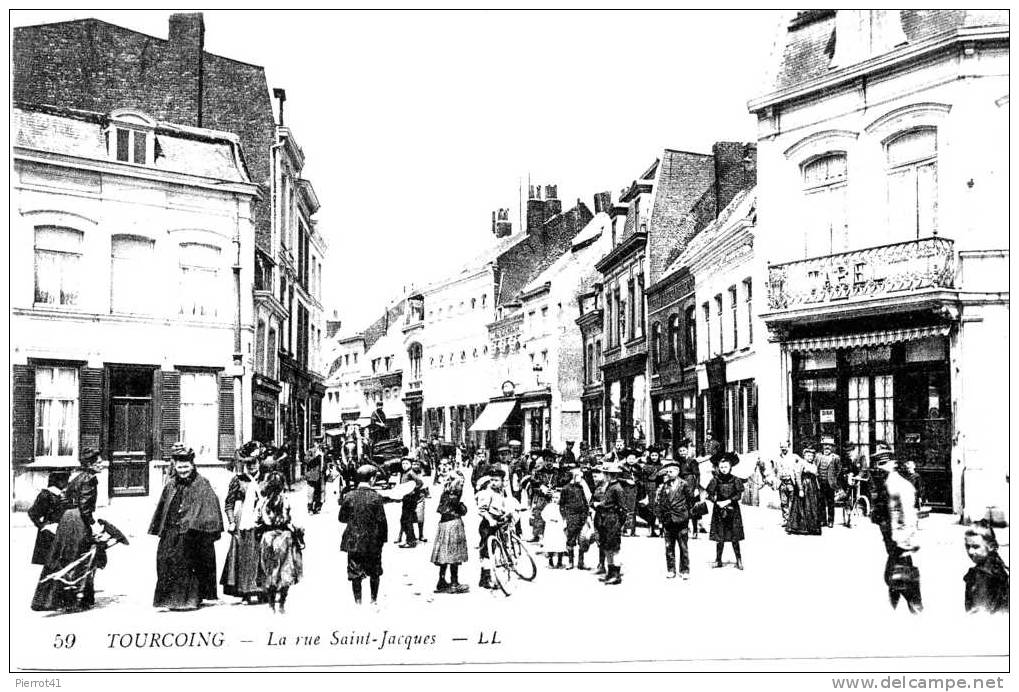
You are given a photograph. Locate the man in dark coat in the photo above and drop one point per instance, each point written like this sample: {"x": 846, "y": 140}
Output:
{"x": 829, "y": 470}
{"x": 377, "y": 424}
{"x": 363, "y": 511}
{"x": 647, "y": 496}
{"x": 569, "y": 458}
{"x": 675, "y": 498}
{"x": 629, "y": 479}
{"x": 574, "y": 506}
{"x": 690, "y": 471}
{"x": 188, "y": 522}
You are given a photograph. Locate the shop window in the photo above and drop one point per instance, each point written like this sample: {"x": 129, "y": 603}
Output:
{"x": 131, "y": 265}
{"x": 199, "y": 403}
{"x": 825, "y": 229}
{"x": 56, "y": 413}
{"x": 57, "y": 265}
{"x": 816, "y": 360}
{"x": 913, "y": 183}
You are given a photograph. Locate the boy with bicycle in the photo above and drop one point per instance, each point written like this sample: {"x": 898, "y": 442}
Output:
{"x": 496, "y": 509}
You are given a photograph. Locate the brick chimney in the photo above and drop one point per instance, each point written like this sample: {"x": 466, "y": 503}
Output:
{"x": 602, "y": 202}
{"x": 187, "y": 43}
{"x": 501, "y": 224}
{"x": 333, "y": 325}
{"x": 542, "y": 205}
{"x": 735, "y": 170}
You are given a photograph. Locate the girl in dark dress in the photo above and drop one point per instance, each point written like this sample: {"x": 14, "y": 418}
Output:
{"x": 188, "y": 523}
{"x": 450, "y": 547}
{"x": 46, "y": 511}
{"x": 805, "y": 509}
{"x": 724, "y": 491}
{"x": 73, "y": 537}
{"x": 280, "y": 564}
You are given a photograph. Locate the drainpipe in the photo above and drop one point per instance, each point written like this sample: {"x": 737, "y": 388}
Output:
{"x": 238, "y": 357}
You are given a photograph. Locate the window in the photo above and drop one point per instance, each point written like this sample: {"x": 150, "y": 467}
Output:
{"x": 57, "y": 265}
{"x": 735, "y": 318}
{"x": 270, "y": 354}
{"x": 474, "y": 303}
{"x": 632, "y": 299}
{"x": 414, "y": 354}
{"x": 608, "y": 319}
{"x": 484, "y": 298}
{"x": 56, "y": 412}
{"x": 199, "y": 403}
{"x": 718, "y": 314}
{"x": 128, "y": 145}
{"x": 824, "y": 186}
{"x": 674, "y": 337}
{"x": 589, "y": 364}
{"x": 690, "y": 347}
{"x": 200, "y": 291}
{"x": 913, "y": 183}
{"x": 620, "y": 318}
{"x": 260, "y": 346}
{"x": 131, "y": 268}
{"x": 544, "y": 357}
{"x": 544, "y": 316}
{"x": 749, "y": 298}
{"x": 707, "y": 330}
{"x": 640, "y": 304}
{"x": 656, "y": 346}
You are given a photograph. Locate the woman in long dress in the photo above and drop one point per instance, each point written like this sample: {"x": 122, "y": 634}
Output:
{"x": 725, "y": 491}
{"x": 188, "y": 522}
{"x": 280, "y": 563}
{"x": 242, "y": 507}
{"x": 73, "y": 537}
{"x": 45, "y": 513}
{"x": 450, "y": 547}
{"x": 805, "y": 509}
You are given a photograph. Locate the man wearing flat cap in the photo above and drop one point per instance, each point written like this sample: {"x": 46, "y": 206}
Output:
{"x": 363, "y": 511}
{"x": 675, "y": 498}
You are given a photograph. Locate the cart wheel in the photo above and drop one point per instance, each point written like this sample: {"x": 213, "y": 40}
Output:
{"x": 502, "y": 570}
{"x": 523, "y": 562}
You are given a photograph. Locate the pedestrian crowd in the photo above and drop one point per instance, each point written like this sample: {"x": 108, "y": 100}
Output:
{"x": 573, "y": 503}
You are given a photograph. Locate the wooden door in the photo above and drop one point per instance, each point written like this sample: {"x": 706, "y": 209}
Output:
{"x": 130, "y": 431}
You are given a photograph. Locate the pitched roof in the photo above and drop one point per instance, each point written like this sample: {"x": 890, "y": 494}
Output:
{"x": 742, "y": 206}
{"x": 809, "y": 40}
{"x": 684, "y": 180}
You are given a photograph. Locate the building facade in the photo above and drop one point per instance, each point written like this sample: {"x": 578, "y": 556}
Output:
{"x": 131, "y": 266}
{"x": 884, "y": 242}
{"x": 344, "y": 399}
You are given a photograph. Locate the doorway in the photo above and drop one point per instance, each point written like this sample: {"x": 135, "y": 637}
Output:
{"x": 130, "y": 431}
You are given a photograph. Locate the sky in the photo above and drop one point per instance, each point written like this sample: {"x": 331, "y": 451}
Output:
{"x": 417, "y": 125}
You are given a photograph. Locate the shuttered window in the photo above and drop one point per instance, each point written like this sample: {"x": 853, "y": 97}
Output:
{"x": 227, "y": 444}
{"x": 56, "y": 413}
{"x": 22, "y": 413}
{"x": 170, "y": 423}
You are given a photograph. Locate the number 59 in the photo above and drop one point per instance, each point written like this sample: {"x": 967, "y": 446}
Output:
{"x": 64, "y": 641}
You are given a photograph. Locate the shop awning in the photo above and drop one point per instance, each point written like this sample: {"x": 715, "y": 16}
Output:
{"x": 882, "y": 338}
{"x": 494, "y": 415}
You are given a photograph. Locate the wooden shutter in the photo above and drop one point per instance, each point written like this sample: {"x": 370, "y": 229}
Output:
{"x": 170, "y": 414}
{"x": 751, "y": 416}
{"x": 22, "y": 413}
{"x": 227, "y": 444}
{"x": 90, "y": 394}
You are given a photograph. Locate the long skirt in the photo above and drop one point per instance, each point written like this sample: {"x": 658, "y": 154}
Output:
{"x": 72, "y": 540}
{"x": 805, "y": 512}
{"x": 185, "y": 569}
{"x": 280, "y": 562}
{"x": 240, "y": 572}
{"x": 450, "y": 546}
{"x": 43, "y": 543}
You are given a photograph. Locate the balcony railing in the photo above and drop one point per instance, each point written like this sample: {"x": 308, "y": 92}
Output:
{"x": 872, "y": 272}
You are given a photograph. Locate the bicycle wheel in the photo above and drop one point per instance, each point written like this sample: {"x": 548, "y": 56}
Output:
{"x": 522, "y": 562}
{"x": 502, "y": 569}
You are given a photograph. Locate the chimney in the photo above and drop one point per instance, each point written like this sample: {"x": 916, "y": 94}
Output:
{"x": 602, "y": 202}
{"x": 735, "y": 170}
{"x": 501, "y": 224}
{"x": 333, "y": 325}
{"x": 187, "y": 42}
{"x": 535, "y": 208}
{"x": 281, "y": 96}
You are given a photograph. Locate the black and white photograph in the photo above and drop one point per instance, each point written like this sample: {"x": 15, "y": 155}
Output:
{"x": 510, "y": 341}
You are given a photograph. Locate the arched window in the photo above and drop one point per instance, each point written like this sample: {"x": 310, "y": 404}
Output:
{"x": 57, "y": 265}
{"x": 131, "y": 266}
{"x": 690, "y": 347}
{"x": 825, "y": 229}
{"x": 912, "y": 159}
{"x": 674, "y": 337}
{"x": 656, "y": 346}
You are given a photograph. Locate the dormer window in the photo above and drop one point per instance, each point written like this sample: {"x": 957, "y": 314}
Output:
{"x": 130, "y": 137}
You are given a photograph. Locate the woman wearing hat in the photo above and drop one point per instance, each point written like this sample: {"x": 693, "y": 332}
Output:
{"x": 45, "y": 513}
{"x": 724, "y": 491}
{"x": 805, "y": 509}
{"x": 73, "y": 537}
{"x": 242, "y": 506}
{"x": 188, "y": 522}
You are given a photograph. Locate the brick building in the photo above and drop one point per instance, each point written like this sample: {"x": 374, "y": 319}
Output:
{"x": 92, "y": 66}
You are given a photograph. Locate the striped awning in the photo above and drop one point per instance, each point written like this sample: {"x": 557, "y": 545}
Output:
{"x": 889, "y": 336}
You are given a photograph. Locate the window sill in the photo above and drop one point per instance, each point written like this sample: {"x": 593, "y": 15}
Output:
{"x": 635, "y": 341}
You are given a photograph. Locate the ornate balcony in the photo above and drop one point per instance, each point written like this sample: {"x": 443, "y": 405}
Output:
{"x": 885, "y": 273}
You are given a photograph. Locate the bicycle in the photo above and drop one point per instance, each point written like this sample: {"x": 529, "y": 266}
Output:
{"x": 509, "y": 556}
